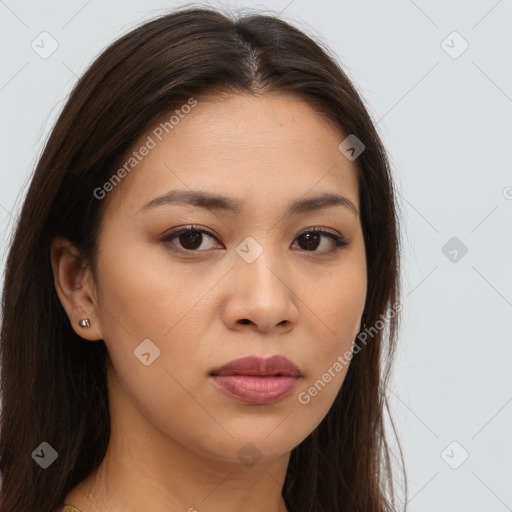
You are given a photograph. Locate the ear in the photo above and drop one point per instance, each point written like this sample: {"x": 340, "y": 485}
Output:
{"x": 75, "y": 287}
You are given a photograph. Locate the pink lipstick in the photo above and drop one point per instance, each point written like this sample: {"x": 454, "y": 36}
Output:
{"x": 255, "y": 380}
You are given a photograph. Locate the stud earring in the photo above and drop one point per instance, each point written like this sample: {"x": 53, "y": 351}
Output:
{"x": 85, "y": 323}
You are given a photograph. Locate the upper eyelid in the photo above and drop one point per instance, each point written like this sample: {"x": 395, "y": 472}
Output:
{"x": 192, "y": 227}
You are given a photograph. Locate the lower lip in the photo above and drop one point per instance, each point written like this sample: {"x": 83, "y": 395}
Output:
{"x": 256, "y": 390}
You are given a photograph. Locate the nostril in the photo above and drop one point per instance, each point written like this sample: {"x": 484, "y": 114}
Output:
{"x": 245, "y": 321}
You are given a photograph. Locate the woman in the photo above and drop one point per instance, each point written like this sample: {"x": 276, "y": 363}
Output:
{"x": 197, "y": 291}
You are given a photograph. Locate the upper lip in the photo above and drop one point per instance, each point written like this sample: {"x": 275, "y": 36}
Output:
{"x": 252, "y": 365}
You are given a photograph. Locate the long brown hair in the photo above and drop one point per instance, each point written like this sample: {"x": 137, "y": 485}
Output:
{"x": 53, "y": 385}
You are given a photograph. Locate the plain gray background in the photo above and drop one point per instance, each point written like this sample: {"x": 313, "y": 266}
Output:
{"x": 444, "y": 114}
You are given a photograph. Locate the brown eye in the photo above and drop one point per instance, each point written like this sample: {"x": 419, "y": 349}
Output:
{"x": 310, "y": 241}
{"x": 189, "y": 239}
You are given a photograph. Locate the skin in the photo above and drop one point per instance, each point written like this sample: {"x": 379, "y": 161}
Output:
{"x": 175, "y": 437}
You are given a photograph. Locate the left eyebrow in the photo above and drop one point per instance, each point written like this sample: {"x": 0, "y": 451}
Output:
{"x": 213, "y": 201}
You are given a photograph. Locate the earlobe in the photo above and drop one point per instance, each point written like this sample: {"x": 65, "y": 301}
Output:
{"x": 74, "y": 287}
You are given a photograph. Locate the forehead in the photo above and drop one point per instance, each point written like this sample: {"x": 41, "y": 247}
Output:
{"x": 266, "y": 147}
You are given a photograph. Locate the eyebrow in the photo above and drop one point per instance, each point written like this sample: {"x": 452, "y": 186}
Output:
{"x": 213, "y": 201}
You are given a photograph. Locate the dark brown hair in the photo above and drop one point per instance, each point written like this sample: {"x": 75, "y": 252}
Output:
{"x": 53, "y": 385}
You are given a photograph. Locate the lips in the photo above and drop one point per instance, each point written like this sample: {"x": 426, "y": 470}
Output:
{"x": 257, "y": 381}
{"x": 275, "y": 365}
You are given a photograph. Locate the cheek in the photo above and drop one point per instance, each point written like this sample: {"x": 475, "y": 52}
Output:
{"x": 142, "y": 300}
{"x": 335, "y": 307}
{"x": 138, "y": 291}
{"x": 336, "y": 301}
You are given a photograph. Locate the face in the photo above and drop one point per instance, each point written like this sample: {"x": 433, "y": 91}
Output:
{"x": 250, "y": 277}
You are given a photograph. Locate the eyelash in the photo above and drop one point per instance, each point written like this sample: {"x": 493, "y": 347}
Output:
{"x": 339, "y": 241}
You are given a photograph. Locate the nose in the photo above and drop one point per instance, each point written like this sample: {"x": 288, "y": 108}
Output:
{"x": 261, "y": 295}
